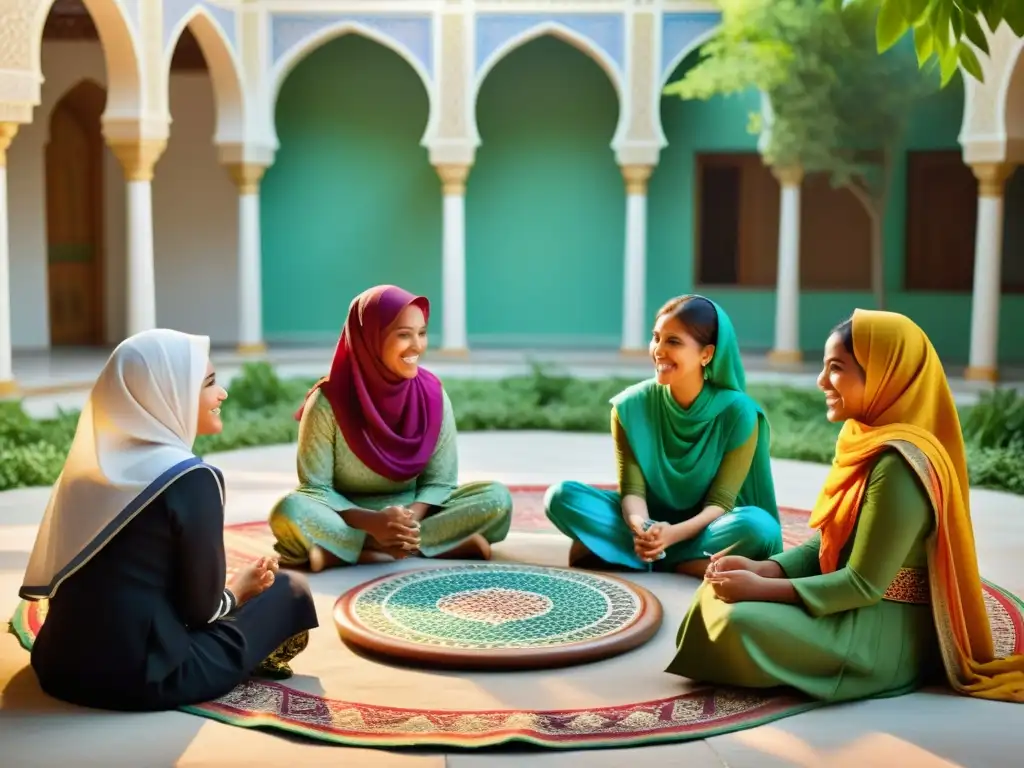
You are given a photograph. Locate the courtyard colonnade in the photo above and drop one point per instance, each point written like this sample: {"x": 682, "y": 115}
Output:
{"x": 251, "y": 48}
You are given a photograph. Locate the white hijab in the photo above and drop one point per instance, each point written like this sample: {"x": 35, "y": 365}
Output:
{"x": 134, "y": 438}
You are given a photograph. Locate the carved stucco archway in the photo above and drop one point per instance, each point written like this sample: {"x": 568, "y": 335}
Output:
{"x": 225, "y": 73}
{"x": 993, "y": 125}
{"x": 580, "y": 42}
{"x": 1012, "y": 106}
{"x": 118, "y": 39}
{"x": 303, "y": 48}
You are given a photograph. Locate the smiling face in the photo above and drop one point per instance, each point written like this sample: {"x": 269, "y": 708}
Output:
{"x": 405, "y": 341}
{"x": 678, "y": 357}
{"x": 210, "y": 398}
{"x": 842, "y": 381}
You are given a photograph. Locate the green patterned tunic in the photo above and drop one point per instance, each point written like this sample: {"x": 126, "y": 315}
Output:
{"x": 847, "y": 638}
{"x": 332, "y": 479}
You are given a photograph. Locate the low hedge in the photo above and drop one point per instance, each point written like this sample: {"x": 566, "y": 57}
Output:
{"x": 261, "y": 407}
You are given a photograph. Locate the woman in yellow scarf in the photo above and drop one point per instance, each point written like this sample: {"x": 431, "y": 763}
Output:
{"x": 887, "y": 593}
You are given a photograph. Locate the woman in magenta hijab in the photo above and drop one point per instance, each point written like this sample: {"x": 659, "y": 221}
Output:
{"x": 377, "y": 459}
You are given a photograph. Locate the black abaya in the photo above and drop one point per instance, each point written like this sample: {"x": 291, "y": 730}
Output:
{"x": 132, "y": 629}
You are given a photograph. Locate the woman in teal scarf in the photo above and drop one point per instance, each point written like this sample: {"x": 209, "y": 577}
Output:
{"x": 692, "y": 451}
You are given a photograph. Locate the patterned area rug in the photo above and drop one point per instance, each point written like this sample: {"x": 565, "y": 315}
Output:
{"x": 698, "y": 714}
{"x": 497, "y": 615}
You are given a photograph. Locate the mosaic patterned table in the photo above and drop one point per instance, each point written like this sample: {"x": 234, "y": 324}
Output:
{"x": 497, "y": 616}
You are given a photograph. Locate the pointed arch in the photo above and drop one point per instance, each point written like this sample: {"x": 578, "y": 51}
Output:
{"x": 119, "y": 40}
{"x": 680, "y": 57}
{"x": 1011, "y": 99}
{"x": 225, "y": 71}
{"x": 87, "y": 85}
{"x": 291, "y": 58}
{"x": 561, "y": 32}
{"x": 580, "y": 42}
{"x": 993, "y": 111}
{"x": 670, "y": 68}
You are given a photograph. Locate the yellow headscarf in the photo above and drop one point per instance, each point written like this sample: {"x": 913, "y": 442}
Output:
{"x": 908, "y": 400}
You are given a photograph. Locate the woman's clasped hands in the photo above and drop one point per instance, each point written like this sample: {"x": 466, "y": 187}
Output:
{"x": 736, "y": 579}
{"x": 652, "y": 537}
{"x": 396, "y": 530}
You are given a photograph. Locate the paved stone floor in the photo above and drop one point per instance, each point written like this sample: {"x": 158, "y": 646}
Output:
{"x": 927, "y": 729}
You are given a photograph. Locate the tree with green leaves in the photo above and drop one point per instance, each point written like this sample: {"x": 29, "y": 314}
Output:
{"x": 835, "y": 106}
{"x": 947, "y": 32}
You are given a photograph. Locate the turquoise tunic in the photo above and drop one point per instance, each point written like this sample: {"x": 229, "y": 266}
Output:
{"x": 593, "y": 516}
{"x": 844, "y": 640}
{"x": 332, "y": 479}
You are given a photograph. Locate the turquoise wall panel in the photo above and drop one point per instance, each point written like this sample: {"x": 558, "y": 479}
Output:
{"x": 545, "y": 204}
{"x": 351, "y": 200}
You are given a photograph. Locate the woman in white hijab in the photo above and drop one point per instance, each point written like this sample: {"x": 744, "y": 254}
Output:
{"x": 130, "y": 553}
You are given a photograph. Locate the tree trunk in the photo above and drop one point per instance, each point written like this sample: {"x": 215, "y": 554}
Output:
{"x": 875, "y": 209}
{"x": 877, "y": 258}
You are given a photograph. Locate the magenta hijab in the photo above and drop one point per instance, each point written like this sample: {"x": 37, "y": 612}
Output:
{"x": 391, "y": 424}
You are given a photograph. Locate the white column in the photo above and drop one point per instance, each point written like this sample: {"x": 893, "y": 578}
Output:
{"x": 250, "y": 290}
{"x": 634, "y": 278}
{"x": 787, "y": 292}
{"x": 988, "y": 259}
{"x": 138, "y": 159}
{"x": 453, "y": 259}
{"x": 7, "y": 384}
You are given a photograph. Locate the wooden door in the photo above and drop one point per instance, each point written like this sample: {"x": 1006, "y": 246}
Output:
{"x": 942, "y": 216}
{"x": 74, "y": 217}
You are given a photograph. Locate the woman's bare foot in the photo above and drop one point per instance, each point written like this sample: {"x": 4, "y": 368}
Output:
{"x": 581, "y": 557}
{"x": 695, "y": 568}
{"x": 476, "y": 547}
{"x": 320, "y": 558}
{"x": 375, "y": 557}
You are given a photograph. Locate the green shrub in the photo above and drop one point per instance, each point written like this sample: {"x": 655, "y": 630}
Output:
{"x": 261, "y": 406}
{"x": 996, "y": 421}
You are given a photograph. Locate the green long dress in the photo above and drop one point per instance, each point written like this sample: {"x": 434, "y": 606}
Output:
{"x": 332, "y": 479}
{"x": 855, "y": 634}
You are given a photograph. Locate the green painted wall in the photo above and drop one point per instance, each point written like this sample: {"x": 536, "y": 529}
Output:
{"x": 351, "y": 200}
{"x": 719, "y": 125}
{"x": 545, "y": 204}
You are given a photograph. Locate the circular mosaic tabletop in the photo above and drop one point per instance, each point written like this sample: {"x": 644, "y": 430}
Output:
{"x": 497, "y": 616}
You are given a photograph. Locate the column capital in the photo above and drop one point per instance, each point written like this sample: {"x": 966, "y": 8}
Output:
{"x": 246, "y": 176}
{"x": 7, "y": 133}
{"x": 791, "y": 176}
{"x": 636, "y": 176}
{"x": 992, "y": 177}
{"x": 453, "y": 177}
{"x": 138, "y": 157}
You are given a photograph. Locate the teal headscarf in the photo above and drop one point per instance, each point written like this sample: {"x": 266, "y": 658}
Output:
{"x": 679, "y": 450}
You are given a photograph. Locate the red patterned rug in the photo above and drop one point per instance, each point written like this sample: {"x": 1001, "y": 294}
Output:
{"x": 698, "y": 714}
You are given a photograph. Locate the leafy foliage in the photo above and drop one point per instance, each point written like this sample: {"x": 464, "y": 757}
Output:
{"x": 947, "y": 33}
{"x": 831, "y": 97}
{"x": 833, "y": 105}
{"x": 260, "y": 411}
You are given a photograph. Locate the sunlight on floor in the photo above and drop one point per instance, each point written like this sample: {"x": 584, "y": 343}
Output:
{"x": 874, "y": 749}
